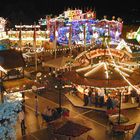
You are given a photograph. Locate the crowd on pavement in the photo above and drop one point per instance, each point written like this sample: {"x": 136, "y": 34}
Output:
{"x": 100, "y": 98}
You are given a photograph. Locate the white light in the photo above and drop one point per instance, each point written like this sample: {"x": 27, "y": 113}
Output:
{"x": 126, "y": 69}
{"x": 122, "y": 73}
{"x": 2, "y": 69}
{"x": 106, "y": 70}
{"x": 94, "y": 69}
{"x": 122, "y": 45}
{"x": 82, "y": 69}
{"x": 137, "y": 89}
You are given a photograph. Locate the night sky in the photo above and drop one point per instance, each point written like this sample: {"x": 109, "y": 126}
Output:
{"x": 28, "y": 11}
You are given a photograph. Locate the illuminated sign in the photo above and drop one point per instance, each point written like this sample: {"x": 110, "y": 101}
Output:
{"x": 131, "y": 35}
{"x": 138, "y": 35}
{"x": 73, "y": 14}
{"x": 102, "y": 52}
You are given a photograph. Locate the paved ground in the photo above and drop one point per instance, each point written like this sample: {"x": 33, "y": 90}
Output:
{"x": 78, "y": 102}
{"x": 96, "y": 120}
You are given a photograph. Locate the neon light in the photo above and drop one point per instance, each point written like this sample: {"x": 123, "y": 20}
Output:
{"x": 2, "y": 69}
{"x": 126, "y": 69}
{"x": 106, "y": 70}
{"x": 125, "y": 74}
{"x": 122, "y": 45}
{"x": 27, "y": 26}
{"x": 73, "y": 14}
{"x": 129, "y": 64}
{"x": 93, "y": 70}
{"x": 137, "y": 89}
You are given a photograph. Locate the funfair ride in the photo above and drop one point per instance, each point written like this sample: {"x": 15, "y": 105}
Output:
{"x": 82, "y": 27}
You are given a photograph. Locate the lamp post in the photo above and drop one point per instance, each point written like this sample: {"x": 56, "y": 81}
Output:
{"x": 70, "y": 38}
{"x": 1, "y": 90}
{"x": 119, "y": 117}
{"x": 34, "y": 44}
{"x": 59, "y": 86}
{"x": 34, "y": 89}
{"x": 84, "y": 37}
{"x": 54, "y": 42}
{"x": 20, "y": 36}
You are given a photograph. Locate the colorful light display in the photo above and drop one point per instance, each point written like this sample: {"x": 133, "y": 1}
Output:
{"x": 2, "y": 24}
{"x": 133, "y": 34}
{"x": 78, "y": 21}
{"x": 138, "y": 35}
{"x": 27, "y": 37}
{"x": 2, "y": 29}
{"x": 73, "y": 14}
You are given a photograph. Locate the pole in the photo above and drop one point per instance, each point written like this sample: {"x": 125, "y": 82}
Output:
{"x": 1, "y": 90}
{"x": 54, "y": 42}
{"x": 23, "y": 101}
{"x": 36, "y": 105}
{"x": 20, "y": 40}
{"x": 60, "y": 105}
{"x": 70, "y": 33}
{"x": 60, "y": 91}
{"x": 119, "y": 119}
{"x": 85, "y": 37}
{"x": 108, "y": 29}
{"x": 34, "y": 44}
{"x": 139, "y": 100}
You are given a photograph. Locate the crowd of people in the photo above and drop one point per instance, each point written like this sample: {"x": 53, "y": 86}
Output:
{"x": 100, "y": 98}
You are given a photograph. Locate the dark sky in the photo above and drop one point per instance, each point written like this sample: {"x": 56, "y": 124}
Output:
{"x": 29, "y": 11}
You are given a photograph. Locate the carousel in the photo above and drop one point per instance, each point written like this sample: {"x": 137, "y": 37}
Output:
{"x": 107, "y": 67}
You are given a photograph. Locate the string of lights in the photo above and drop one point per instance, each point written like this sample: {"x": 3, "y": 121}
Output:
{"x": 117, "y": 68}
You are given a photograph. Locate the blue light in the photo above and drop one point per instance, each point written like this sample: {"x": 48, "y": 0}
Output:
{"x": 2, "y": 48}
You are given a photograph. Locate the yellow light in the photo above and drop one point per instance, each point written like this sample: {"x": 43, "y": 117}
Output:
{"x": 94, "y": 69}
{"x": 137, "y": 89}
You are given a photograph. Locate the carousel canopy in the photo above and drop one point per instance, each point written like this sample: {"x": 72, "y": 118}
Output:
{"x": 104, "y": 74}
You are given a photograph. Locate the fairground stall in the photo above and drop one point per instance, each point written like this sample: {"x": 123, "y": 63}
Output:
{"x": 24, "y": 35}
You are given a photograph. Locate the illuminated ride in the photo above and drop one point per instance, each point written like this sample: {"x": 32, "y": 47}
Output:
{"x": 79, "y": 28}
{"x": 105, "y": 68}
{"x": 134, "y": 35}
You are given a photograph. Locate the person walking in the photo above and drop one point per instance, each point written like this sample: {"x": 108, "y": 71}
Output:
{"x": 21, "y": 118}
{"x": 96, "y": 98}
{"x": 36, "y": 106}
{"x": 109, "y": 103}
{"x": 90, "y": 96}
{"x": 101, "y": 97}
{"x": 133, "y": 95}
{"x": 86, "y": 90}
